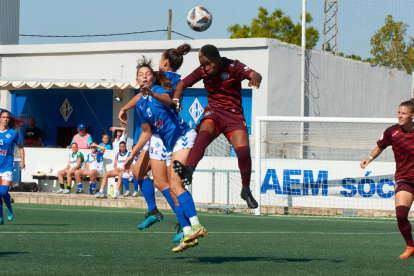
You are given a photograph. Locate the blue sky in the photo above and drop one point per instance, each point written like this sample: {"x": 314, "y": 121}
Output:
{"x": 358, "y": 19}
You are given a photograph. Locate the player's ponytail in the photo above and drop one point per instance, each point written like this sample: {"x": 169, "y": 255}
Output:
{"x": 162, "y": 80}
{"x": 175, "y": 56}
{"x": 409, "y": 104}
{"x": 15, "y": 122}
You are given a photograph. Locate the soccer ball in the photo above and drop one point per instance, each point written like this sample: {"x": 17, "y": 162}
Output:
{"x": 199, "y": 19}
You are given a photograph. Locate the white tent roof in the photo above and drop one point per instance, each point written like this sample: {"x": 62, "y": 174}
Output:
{"x": 20, "y": 84}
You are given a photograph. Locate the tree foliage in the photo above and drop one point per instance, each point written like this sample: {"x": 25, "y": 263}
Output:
{"x": 278, "y": 26}
{"x": 391, "y": 48}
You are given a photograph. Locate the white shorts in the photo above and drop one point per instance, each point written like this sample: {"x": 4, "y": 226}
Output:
{"x": 157, "y": 149}
{"x": 147, "y": 145}
{"x": 7, "y": 176}
{"x": 184, "y": 142}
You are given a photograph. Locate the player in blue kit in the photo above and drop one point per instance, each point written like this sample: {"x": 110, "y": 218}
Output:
{"x": 8, "y": 138}
{"x": 171, "y": 60}
{"x": 157, "y": 116}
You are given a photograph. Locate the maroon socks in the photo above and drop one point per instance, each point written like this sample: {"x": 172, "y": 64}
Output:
{"x": 245, "y": 164}
{"x": 404, "y": 225}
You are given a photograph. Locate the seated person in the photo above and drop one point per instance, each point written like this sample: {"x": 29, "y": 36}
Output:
{"x": 84, "y": 140}
{"x": 76, "y": 161}
{"x": 105, "y": 142}
{"x": 118, "y": 171}
{"x": 32, "y": 135}
{"x": 94, "y": 167}
{"x": 118, "y": 136}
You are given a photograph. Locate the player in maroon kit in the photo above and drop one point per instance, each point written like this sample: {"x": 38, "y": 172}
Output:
{"x": 401, "y": 137}
{"x": 222, "y": 79}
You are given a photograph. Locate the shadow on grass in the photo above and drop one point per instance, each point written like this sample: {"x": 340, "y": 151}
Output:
{"x": 3, "y": 254}
{"x": 221, "y": 260}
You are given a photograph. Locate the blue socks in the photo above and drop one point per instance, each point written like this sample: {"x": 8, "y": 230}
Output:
{"x": 93, "y": 185}
{"x": 187, "y": 204}
{"x": 135, "y": 185}
{"x": 4, "y": 193}
{"x": 147, "y": 189}
{"x": 126, "y": 184}
{"x": 182, "y": 219}
{"x": 79, "y": 185}
{"x": 166, "y": 193}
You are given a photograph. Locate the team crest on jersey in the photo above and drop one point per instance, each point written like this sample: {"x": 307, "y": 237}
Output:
{"x": 8, "y": 136}
{"x": 149, "y": 113}
{"x": 224, "y": 76}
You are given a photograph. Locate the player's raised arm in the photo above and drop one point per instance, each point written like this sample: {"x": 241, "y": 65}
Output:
{"x": 178, "y": 93}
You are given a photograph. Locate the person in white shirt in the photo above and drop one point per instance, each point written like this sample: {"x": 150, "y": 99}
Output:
{"x": 118, "y": 136}
{"x": 94, "y": 167}
{"x": 118, "y": 171}
{"x": 76, "y": 161}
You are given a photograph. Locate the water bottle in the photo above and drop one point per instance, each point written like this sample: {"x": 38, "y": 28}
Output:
{"x": 66, "y": 184}
{"x": 111, "y": 190}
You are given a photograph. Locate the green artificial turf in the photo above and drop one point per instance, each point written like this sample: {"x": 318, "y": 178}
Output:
{"x": 79, "y": 240}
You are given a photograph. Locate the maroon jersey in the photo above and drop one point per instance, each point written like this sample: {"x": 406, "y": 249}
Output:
{"x": 224, "y": 89}
{"x": 402, "y": 143}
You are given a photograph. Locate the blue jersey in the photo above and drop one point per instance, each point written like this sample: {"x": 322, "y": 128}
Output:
{"x": 7, "y": 140}
{"x": 163, "y": 119}
{"x": 174, "y": 78}
{"x": 107, "y": 146}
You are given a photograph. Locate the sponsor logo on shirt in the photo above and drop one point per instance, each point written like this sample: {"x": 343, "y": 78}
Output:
{"x": 224, "y": 76}
{"x": 208, "y": 113}
{"x": 149, "y": 113}
{"x": 244, "y": 122}
{"x": 395, "y": 133}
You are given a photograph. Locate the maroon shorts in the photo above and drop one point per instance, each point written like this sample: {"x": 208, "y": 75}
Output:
{"x": 224, "y": 121}
{"x": 403, "y": 185}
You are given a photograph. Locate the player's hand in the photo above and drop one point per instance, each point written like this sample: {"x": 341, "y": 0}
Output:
{"x": 122, "y": 117}
{"x": 128, "y": 163}
{"x": 22, "y": 165}
{"x": 365, "y": 162}
{"x": 68, "y": 147}
{"x": 145, "y": 90}
{"x": 176, "y": 105}
{"x": 254, "y": 82}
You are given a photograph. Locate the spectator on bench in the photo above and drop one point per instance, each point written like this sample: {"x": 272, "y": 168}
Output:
{"x": 118, "y": 171}
{"x": 84, "y": 140}
{"x": 105, "y": 142}
{"x": 118, "y": 137}
{"x": 32, "y": 135}
{"x": 76, "y": 161}
{"x": 94, "y": 167}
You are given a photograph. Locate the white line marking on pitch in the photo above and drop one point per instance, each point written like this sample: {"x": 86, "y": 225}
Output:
{"x": 374, "y": 220}
{"x": 269, "y": 232}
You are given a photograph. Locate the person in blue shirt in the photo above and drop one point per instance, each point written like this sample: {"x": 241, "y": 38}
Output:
{"x": 93, "y": 168}
{"x": 9, "y": 137}
{"x": 156, "y": 115}
{"x": 105, "y": 142}
{"x": 171, "y": 60}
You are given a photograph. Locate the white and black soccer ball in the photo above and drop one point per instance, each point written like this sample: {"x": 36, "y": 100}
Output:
{"x": 199, "y": 19}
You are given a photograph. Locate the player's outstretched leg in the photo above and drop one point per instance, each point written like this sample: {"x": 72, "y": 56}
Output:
{"x": 184, "y": 172}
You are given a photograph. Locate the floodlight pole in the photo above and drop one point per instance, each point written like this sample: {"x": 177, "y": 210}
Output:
{"x": 169, "y": 24}
{"x": 302, "y": 79}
